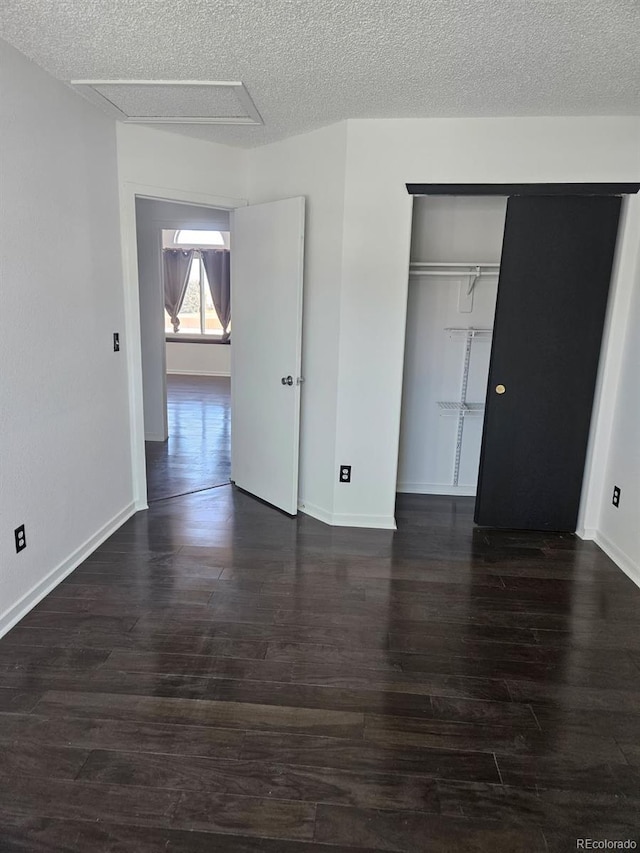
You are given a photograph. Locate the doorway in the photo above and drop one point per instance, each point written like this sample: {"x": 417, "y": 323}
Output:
{"x": 183, "y": 273}
{"x": 267, "y": 303}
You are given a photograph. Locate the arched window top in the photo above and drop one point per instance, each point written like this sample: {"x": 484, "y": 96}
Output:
{"x": 190, "y": 237}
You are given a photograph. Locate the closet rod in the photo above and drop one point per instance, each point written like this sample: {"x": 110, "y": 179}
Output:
{"x": 465, "y": 264}
{"x": 452, "y": 273}
{"x": 455, "y": 270}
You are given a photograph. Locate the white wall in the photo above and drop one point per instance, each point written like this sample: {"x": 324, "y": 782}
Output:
{"x": 152, "y": 216}
{"x": 155, "y": 158}
{"x": 382, "y": 155}
{"x": 157, "y": 164}
{"x": 454, "y": 229}
{"x": 64, "y": 422}
{"x": 199, "y": 359}
{"x": 313, "y": 165}
{"x": 618, "y": 530}
{"x": 447, "y": 230}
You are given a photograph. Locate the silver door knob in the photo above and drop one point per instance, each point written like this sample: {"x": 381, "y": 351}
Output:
{"x": 287, "y": 380}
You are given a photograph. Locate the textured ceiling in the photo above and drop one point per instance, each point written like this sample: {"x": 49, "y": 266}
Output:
{"x": 307, "y": 64}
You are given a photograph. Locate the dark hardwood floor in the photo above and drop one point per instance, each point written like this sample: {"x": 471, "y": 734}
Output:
{"x": 197, "y": 454}
{"x": 219, "y": 677}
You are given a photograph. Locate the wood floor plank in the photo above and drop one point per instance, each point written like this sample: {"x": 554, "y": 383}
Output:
{"x": 203, "y": 665}
{"x": 123, "y": 569}
{"x": 55, "y": 798}
{"x": 80, "y": 585}
{"x": 15, "y": 700}
{"x": 25, "y": 834}
{"x": 548, "y": 808}
{"x": 579, "y": 697}
{"x": 22, "y": 834}
{"x": 88, "y": 733}
{"x": 152, "y": 642}
{"x": 256, "y": 778}
{"x": 331, "y": 698}
{"x": 238, "y": 815}
{"x": 576, "y": 773}
{"x": 451, "y": 633}
{"x": 614, "y": 636}
{"x": 494, "y": 713}
{"x": 555, "y": 721}
{"x": 109, "y": 681}
{"x": 352, "y": 677}
{"x": 229, "y": 629}
{"x": 362, "y": 756}
{"x": 124, "y": 605}
{"x": 407, "y": 832}
{"x": 204, "y": 713}
{"x": 50, "y": 657}
{"x": 78, "y": 621}
{"x": 502, "y": 740}
{"x": 325, "y": 653}
{"x": 41, "y": 760}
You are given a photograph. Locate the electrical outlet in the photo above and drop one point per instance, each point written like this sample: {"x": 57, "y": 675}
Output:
{"x": 345, "y": 473}
{"x": 21, "y": 538}
{"x": 616, "y": 496}
{"x": 116, "y": 341}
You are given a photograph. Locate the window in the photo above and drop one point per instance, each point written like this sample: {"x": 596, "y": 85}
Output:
{"x": 197, "y": 315}
{"x": 186, "y": 237}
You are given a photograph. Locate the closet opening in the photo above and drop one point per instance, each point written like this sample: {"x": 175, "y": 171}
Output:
{"x": 456, "y": 245}
{"x": 507, "y": 300}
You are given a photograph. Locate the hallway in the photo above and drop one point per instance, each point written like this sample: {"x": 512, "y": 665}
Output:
{"x": 220, "y": 677}
{"x": 197, "y": 454}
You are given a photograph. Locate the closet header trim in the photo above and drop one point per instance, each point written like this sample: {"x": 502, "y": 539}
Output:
{"x": 522, "y": 189}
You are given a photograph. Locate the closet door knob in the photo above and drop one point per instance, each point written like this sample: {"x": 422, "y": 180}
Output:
{"x": 287, "y": 380}
{"x": 500, "y": 389}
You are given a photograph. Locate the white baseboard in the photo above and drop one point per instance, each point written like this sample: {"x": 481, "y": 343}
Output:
{"x": 619, "y": 557}
{"x": 375, "y": 522}
{"x": 586, "y": 533}
{"x": 316, "y": 512}
{"x": 28, "y": 601}
{"x": 154, "y": 437}
{"x": 431, "y": 489}
{"x": 197, "y": 373}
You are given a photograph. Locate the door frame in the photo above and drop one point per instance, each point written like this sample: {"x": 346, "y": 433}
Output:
{"x": 611, "y": 350}
{"x": 129, "y": 191}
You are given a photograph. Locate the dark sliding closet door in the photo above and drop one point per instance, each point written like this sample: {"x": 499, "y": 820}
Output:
{"x": 552, "y": 296}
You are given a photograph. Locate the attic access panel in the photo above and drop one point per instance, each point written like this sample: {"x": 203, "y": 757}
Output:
{"x": 172, "y": 101}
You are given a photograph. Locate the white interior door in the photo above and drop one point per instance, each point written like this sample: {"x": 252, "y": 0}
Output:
{"x": 267, "y": 250}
